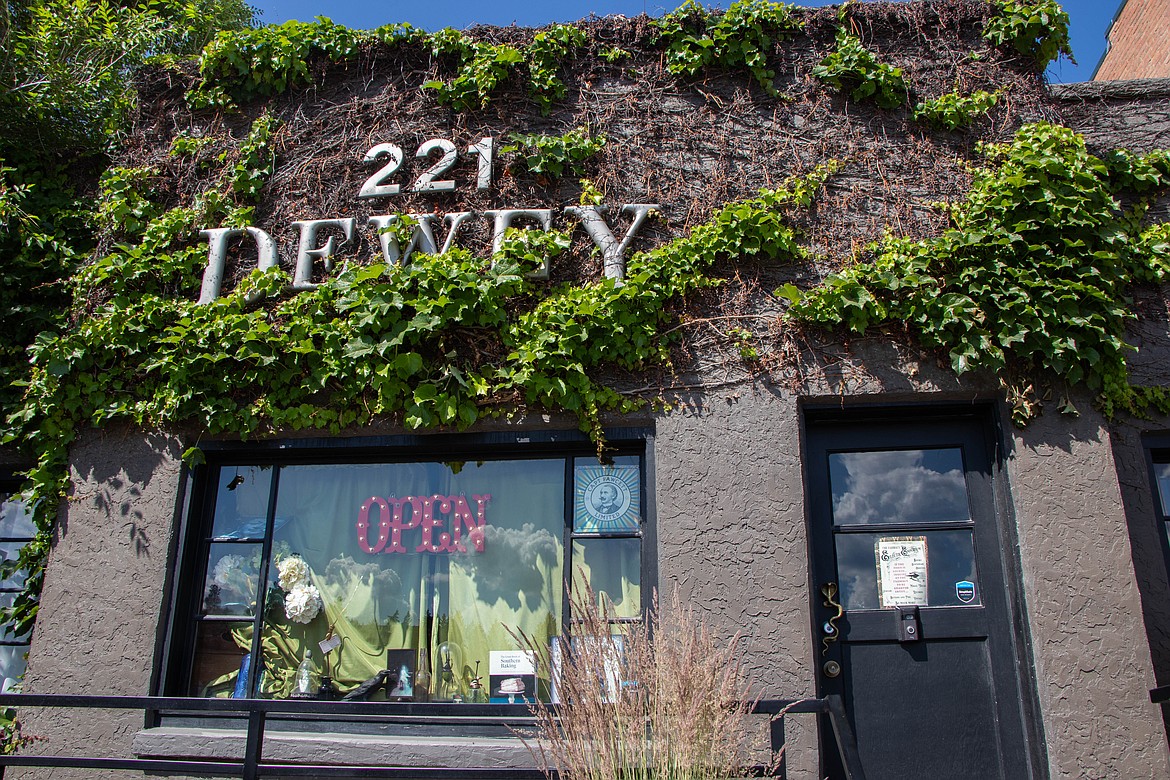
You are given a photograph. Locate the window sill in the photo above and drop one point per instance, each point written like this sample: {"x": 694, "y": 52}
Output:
{"x": 335, "y": 748}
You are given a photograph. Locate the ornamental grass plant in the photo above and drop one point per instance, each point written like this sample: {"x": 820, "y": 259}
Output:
{"x": 664, "y": 698}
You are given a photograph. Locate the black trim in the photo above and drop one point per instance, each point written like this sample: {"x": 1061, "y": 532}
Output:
{"x": 257, "y": 711}
{"x": 1157, "y": 451}
{"x": 830, "y": 417}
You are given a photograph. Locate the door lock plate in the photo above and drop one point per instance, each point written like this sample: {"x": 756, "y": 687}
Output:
{"x": 831, "y": 669}
{"x": 909, "y": 624}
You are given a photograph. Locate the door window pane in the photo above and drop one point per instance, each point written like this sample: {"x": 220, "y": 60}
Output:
{"x": 950, "y": 557}
{"x": 898, "y": 486}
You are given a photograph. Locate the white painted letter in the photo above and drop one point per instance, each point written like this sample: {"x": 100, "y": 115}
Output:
{"x": 613, "y": 254}
{"x": 217, "y": 239}
{"x": 422, "y": 239}
{"x": 308, "y": 249}
{"x": 504, "y": 217}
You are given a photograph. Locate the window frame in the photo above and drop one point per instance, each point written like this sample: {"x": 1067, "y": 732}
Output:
{"x": 176, "y": 650}
{"x": 10, "y": 485}
{"x": 1157, "y": 446}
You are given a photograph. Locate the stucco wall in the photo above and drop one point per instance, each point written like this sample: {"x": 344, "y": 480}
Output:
{"x": 741, "y": 562}
{"x": 1092, "y": 659}
{"x": 731, "y": 538}
{"x": 96, "y": 630}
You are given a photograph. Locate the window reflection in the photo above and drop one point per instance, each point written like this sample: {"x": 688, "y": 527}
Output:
{"x": 898, "y": 486}
{"x": 422, "y": 569}
{"x": 612, "y": 570}
{"x": 16, "y": 530}
{"x": 950, "y": 563}
{"x": 241, "y": 505}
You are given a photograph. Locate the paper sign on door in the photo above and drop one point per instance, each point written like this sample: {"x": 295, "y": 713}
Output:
{"x": 901, "y": 570}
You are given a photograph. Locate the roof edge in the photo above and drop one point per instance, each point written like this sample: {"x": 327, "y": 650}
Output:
{"x": 1103, "y": 90}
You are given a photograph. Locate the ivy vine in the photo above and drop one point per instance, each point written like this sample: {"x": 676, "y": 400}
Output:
{"x": 1038, "y": 29}
{"x": 954, "y": 110}
{"x": 1031, "y": 279}
{"x": 742, "y": 36}
{"x": 553, "y": 155}
{"x": 852, "y": 67}
{"x": 441, "y": 342}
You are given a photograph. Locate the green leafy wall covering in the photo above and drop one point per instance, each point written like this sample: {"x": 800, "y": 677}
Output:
{"x": 770, "y": 177}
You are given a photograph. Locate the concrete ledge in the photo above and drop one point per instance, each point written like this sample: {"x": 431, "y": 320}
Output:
{"x": 1135, "y": 89}
{"x": 335, "y": 748}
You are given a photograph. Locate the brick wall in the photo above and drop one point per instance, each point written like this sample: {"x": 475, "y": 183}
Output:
{"x": 1139, "y": 42}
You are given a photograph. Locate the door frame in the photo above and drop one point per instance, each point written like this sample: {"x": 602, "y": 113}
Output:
{"x": 988, "y": 416}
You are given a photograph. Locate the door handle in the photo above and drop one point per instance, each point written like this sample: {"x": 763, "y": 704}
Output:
{"x": 829, "y": 628}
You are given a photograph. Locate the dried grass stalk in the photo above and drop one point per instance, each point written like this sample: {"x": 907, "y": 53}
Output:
{"x": 664, "y": 698}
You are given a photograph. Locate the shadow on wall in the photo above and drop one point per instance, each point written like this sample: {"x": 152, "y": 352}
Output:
{"x": 116, "y": 486}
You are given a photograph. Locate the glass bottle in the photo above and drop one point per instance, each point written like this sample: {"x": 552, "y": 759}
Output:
{"x": 304, "y": 687}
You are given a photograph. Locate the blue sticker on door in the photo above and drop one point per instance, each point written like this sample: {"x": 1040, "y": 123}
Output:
{"x": 965, "y": 591}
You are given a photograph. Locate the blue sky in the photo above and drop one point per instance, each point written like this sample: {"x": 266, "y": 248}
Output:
{"x": 1089, "y": 18}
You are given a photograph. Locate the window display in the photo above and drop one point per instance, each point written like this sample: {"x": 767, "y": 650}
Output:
{"x": 402, "y": 581}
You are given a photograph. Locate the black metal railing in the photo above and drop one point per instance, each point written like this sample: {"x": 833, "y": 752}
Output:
{"x": 257, "y": 711}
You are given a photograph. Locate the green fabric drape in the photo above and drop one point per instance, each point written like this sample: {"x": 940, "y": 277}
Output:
{"x": 412, "y": 600}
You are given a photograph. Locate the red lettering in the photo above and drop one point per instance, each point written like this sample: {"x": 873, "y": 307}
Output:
{"x": 363, "y": 524}
{"x": 427, "y": 514}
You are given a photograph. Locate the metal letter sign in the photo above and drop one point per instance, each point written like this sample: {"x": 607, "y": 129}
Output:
{"x": 422, "y": 238}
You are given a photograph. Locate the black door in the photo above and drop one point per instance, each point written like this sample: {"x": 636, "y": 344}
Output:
{"x": 904, "y": 538}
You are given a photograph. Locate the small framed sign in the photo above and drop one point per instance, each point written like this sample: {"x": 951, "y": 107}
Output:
{"x": 607, "y": 499}
{"x": 400, "y": 686}
{"x": 511, "y": 676}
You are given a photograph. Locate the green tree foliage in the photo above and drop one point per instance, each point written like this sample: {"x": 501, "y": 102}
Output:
{"x": 68, "y": 63}
{"x": 66, "y": 70}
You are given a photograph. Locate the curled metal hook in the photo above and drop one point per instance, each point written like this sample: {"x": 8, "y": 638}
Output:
{"x": 829, "y": 591}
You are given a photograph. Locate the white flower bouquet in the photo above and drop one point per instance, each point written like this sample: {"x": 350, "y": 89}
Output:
{"x": 302, "y": 600}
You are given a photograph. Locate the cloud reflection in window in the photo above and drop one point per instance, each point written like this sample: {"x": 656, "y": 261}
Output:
{"x": 898, "y": 486}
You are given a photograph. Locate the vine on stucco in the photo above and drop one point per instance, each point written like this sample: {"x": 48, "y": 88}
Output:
{"x": 954, "y": 110}
{"x": 457, "y": 338}
{"x": 242, "y": 65}
{"x": 742, "y": 37}
{"x": 1031, "y": 280}
{"x": 1038, "y": 29}
{"x": 440, "y": 342}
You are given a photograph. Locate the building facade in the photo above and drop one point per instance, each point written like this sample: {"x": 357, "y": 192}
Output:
{"x": 990, "y": 600}
{"x": 1136, "y": 45}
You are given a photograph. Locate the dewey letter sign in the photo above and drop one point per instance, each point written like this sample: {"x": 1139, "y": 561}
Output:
{"x": 423, "y": 239}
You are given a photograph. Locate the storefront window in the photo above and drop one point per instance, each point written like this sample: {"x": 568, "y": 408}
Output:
{"x": 16, "y": 530}
{"x": 404, "y": 581}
